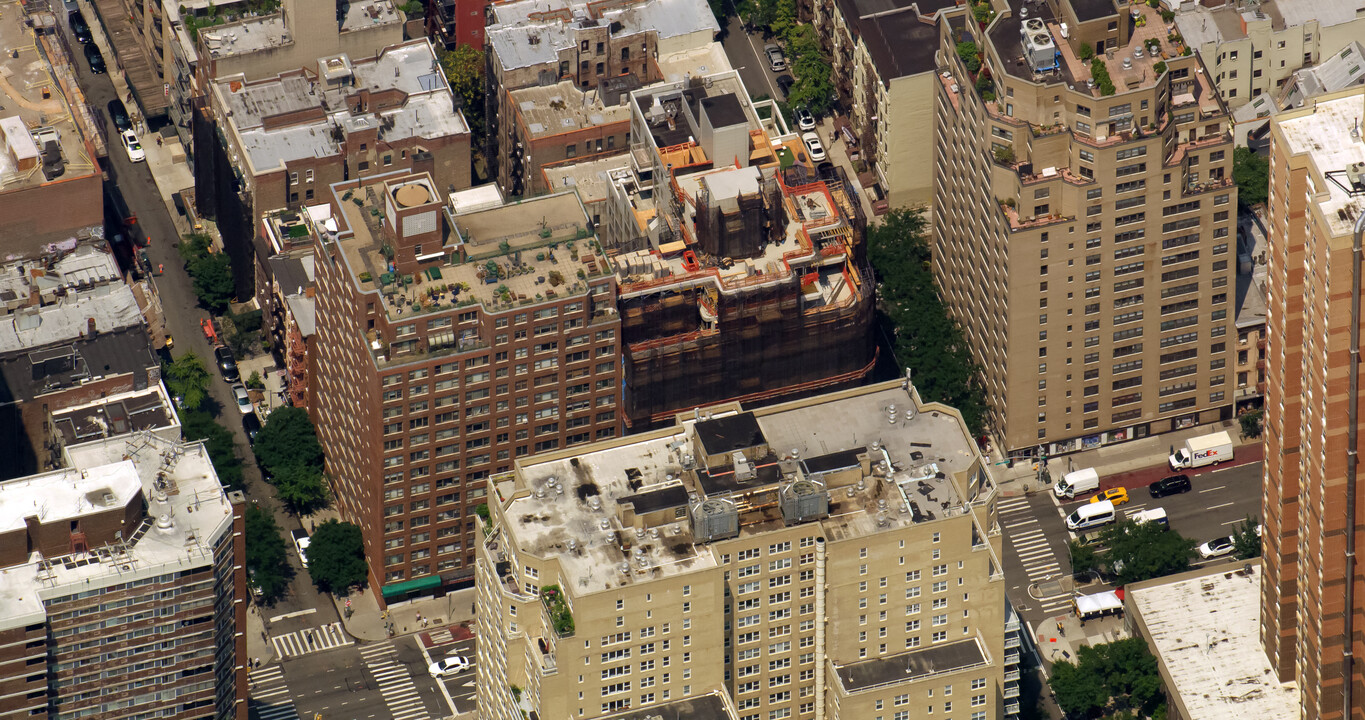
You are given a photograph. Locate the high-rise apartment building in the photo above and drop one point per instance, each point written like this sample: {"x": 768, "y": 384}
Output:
{"x": 1083, "y": 221}
{"x": 450, "y": 343}
{"x": 1317, "y": 202}
{"x": 122, "y": 587}
{"x": 832, "y": 557}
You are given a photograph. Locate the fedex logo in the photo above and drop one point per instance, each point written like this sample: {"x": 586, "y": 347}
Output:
{"x": 1204, "y": 454}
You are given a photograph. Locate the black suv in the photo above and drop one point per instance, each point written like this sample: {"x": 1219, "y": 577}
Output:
{"x": 1170, "y": 486}
{"x": 79, "y": 28}
{"x": 95, "y": 58}
{"x": 118, "y": 113}
{"x": 227, "y": 364}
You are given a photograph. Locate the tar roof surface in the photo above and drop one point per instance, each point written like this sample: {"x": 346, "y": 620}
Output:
{"x": 936, "y": 659}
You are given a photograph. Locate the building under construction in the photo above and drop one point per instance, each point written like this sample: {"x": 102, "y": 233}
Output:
{"x": 738, "y": 262}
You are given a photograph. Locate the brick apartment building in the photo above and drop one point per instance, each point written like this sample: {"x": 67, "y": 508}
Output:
{"x": 457, "y": 22}
{"x": 286, "y": 139}
{"x": 771, "y": 556}
{"x": 450, "y": 344}
{"x": 591, "y": 46}
{"x": 1309, "y": 619}
{"x": 1063, "y": 206}
{"x": 122, "y": 576}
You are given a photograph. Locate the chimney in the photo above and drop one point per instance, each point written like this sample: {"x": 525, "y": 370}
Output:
{"x": 309, "y": 292}
{"x": 90, "y": 326}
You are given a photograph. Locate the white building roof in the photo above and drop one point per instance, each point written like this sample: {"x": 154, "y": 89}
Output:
{"x": 111, "y": 306}
{"x": 1325, "y": 134}
{"x": 1206, "y": 631}
{"x": 522, "y": 42}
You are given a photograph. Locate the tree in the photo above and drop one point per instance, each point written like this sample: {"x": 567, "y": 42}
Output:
{"x": 1251, "y": 423}
{"x": 464, "y": 71}
{"x": 302, "y": 488}
{"x": 1084, "y": 559}
{"x": 1246, "y": 539}
{"x": 970, "y": 56}
{"x": 220, "y": 444}
{"x": 924, "y": 337}
{"x": 1251, "y": 172}
{"x": 336, "y": 557}
{"x": 188, "y": 379}
{"x": 267, "y": 560}
{"x": 1142, "y": 551}
{"x": 1112, "y": 679}
{"x": 212, "y": 279}
{"x": 287, "y": 439}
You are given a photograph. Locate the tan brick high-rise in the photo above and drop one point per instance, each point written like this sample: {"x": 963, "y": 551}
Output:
{"x": 1312, "y": 211}
{"x": 1083, "y": 223}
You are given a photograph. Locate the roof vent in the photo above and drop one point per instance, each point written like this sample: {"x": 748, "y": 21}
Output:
{"x": 164, "y": 522}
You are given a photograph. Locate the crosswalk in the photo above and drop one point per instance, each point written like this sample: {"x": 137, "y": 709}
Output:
{"x": 1030, "y": 545}
{"x": 309, "y": 640}
{"x": 395, "y": 682}
{"x": 269, "y": 695}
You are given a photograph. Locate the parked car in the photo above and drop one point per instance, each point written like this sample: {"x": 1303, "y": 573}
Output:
{"x": 252, "y": 425}
{"x": 80, "y": 29}
{"x": 452, "y": 665}
{"x": 805, "y": 120}
{"x": 243, "y": 400}
{"x": 301, "y": 541}
{"x": 785, "y": 83}
{"x": 118, "y": 114}
{"x": 95, "y": 59}
{"x": 1169, "y": 486}
{"x": 132, "y": 146}
{"x": 227, "y": 364}
{"x": 777, "y": 60}
{"x": 1118, "y": 496}
{"x": 813, "y": 146}
{"x": 1217, "y": 547}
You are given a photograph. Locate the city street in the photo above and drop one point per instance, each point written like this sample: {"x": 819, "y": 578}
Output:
{"x": 1036, "y": 534}
{"x": 745, "y": 52}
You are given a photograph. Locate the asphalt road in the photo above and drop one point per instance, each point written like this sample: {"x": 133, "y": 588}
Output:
{"x": 460, "y": 687}
{"x": 745, "y": 52}
{"x": 181, "y": 307}
{"x": 365, "y": 682}
{"x": 1036, "y": 534}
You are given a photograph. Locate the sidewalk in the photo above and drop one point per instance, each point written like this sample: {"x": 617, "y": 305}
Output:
{"x": 366, "y": 621}
{"x": 1132, "y": 457}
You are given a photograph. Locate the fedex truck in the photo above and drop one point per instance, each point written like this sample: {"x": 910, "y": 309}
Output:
{"x": 1203, "y": 450}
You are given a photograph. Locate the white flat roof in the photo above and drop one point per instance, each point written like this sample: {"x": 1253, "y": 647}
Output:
{"x": 1206, "y": 631}
{"x": 1324, "y": 133}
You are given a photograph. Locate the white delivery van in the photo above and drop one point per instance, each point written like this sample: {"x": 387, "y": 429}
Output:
{"x": 1077, "y": 483}
{"x": 1091, "y": 515}
{"x": 1203, "y": 450}
{"x": 1155, "y": 515}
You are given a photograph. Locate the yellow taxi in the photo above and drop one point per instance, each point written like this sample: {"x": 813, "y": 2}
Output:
{"x": 1118, "y": 496}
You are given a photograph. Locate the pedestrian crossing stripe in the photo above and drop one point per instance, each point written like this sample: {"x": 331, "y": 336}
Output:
{"x": 309, "y": 640}
{"x": 395, "y": 683}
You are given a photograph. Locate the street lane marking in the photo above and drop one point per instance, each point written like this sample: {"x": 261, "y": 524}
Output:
{"x": 299, "y": 613}
{"x": 1215, "y": 507}
{"x": 1022, "y": 548}
{"x": 1220, "y": 487}
{"x": 1030, "y": 521}
{"x": 1035, "y": 554}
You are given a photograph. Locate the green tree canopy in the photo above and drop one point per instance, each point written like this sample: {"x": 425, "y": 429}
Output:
{"x": 188, "y": 379}
{"x": 220, "y": 444}
{"x": 1109, "y": 679}
{"x": 302, "y": 488}
{"x": 1084, "y": 559}
{"x": 1246, "y": 542}
{"x": 287, "y": 439}
{"x": 924, "y": 337}
{"x": 1251, "y": 172}
{"x": 267, "y": 559}
{"x": 1142, "y": 551}
{"x": 212, "y": 279}
{"x": 464, "y": 70}
{"x": 336, "y": 558}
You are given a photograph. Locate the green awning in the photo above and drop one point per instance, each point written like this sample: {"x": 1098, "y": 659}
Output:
{"x": 421, "y": 583}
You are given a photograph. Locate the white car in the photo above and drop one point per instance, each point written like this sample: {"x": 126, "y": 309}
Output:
{"x": 777, "y": 60}
{"x": 243, "y": 400}
{"x": 804, "y": 119}
{"x": 1217, "y": 547}
{"x": 452, "y": 665}
{"x": 813, "y": 146}
{"x": 302, "y": 541}
{"x": 133, "y": 147}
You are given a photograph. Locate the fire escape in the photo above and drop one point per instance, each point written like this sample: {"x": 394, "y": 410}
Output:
{"x": 296, "y": 358}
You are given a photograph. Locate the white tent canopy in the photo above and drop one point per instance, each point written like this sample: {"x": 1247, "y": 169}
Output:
{"x": 1098, "y": 604}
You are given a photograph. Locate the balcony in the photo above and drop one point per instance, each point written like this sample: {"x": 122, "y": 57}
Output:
{"x": 557, "y": 610}
{"x": 1012, "y": 675}
{"x": 1011, "y": 689}
{"x": 1012, "y": 708}
{"x": 1012, "y": 658}
{"x": 1011, "y": 641}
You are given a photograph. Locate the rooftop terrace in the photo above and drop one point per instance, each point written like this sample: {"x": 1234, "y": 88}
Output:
{"x": 877, "y": 460}
{"x": 255, "y": 34}
{"x": 532, "y": 32}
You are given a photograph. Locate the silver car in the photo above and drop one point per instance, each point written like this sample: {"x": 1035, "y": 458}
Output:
{"x": 777, "y": 60}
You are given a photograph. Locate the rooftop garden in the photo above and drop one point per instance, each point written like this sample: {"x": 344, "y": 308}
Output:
{"x": 560, "y": 615}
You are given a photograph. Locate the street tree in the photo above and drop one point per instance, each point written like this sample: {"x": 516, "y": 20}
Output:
{"x": 302, "y": 488}
{"x": 336, "y": 558}
{"x": 188, "y": 379}
{"x": 287, "y": 439}
{"x": 1114, "y": 679}
{"x": 267, "y": 560}
{"x": 211, "y": 276}
{"x": 1142, "y": 551}
{"x": 1084, "y": 559}
{"x": 1246, "y": 541}
{"x": 924, "y": 338}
